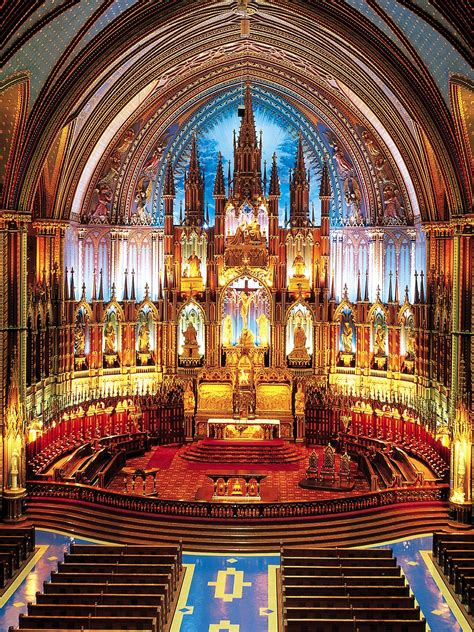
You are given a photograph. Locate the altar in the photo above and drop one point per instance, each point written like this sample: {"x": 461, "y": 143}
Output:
{"x": 243, "y": 429}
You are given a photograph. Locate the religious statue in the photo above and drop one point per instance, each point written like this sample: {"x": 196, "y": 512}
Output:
{"x": 253, "y": 230}
{"x": 104, "y": 198}
{"x": 15, "y": 470}
{"x": 228, "y": 333}
{"x": 109, "y": 336}
{"x": 299, "y": 352}
{"x": 190, "y": 343}
{"x": 299, "y": 267}
{"x": 245, "y": 301}
{"x": 243, "y": 377}
{"x": 262, "y": 322}
{"x": 347, "y": 337}
{"x": 379, "y": 340}
{"x": 299, "y": 401}
{"x": 194, "y": 266}
{"x": 393, "y": 210}
{"x": 189, "y": 401}
{"x": 144, "y": 338}
{"x": 190, "y": 335}
{"x": 79, "y": 340}
{"x": 369, "y": 143}
{"x": 353, "y": 198}
{"x": 410, "y": 343}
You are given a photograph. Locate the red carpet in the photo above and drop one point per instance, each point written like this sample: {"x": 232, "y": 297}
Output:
{"x": 181, "y": 479}
{"x": 162, "y": 457}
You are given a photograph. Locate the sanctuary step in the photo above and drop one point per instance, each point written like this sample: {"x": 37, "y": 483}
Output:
{"x": 215, "y": 451}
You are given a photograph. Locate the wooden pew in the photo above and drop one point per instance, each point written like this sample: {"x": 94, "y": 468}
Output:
{"x": 28, "y": 533}
{"x": 84, "y": 578}
{"x": 125, "y": 613}
{"x": 108, "y": 588}
{"x": 161, "y": 601}
{"x": 395, "y": 614}
{"x": 128, "y": 570}
{"x": 346, "y": 601}
{"x": 339, "y": 589}
{"x": 312, "y": 580}
{"x": 146, "y": 624}
{"x": 299, "y": 551}
{"x": 15, "y": 550}
{"x": 445, "y": 538}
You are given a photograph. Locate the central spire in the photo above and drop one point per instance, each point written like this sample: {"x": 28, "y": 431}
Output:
{"x": 247, "y": 157}
{"x": 247, "y": 133}
{"x": 194, "y": 189}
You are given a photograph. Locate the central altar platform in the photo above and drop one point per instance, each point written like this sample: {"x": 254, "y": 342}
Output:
{"x": 243, "y": 429}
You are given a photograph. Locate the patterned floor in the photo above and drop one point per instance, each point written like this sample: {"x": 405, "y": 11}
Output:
{"x": 237, "y": 593}
{"x": 180, "y": 479}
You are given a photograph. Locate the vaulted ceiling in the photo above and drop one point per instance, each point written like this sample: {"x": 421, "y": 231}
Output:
{"x": 78, "y": 75}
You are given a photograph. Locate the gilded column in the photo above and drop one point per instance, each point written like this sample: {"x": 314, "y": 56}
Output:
{"x": 13, "y": 339}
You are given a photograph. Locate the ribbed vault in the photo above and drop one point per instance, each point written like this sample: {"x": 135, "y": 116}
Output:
{"x": 298, "y": 48}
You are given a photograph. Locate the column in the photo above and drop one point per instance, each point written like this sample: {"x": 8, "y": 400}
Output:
{"x": 13, "y": 339}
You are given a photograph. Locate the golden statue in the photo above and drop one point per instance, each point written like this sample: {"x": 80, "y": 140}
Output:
{"x": 379, "y": 342}
{"x": 190, "y": 335}
{"x": 109, "y": 336}
{"x": 347, "y": 337}
{"x": 144, "y": 338}
{"x": 228, "y": 332}
{"x": 190, "y": 343}
{"x": 262, "y": 322}
{"x": 299, "y": 352}
{"x": 299, "y": 401}
{"x": 253, "y": 230}
{"x": 246, "y": 338}
{"x": 245, "y": 301}
{"x": 189, "y": 401}
{"x": 299, "y": 267}
{"x": 79, "y": 340}
{"x": 244, "y": 370}
{"x": 299, "y": 337}
{"x": 410, "y": 343}
{"x": 243, "y": 377}
{"x": 194, "y": 266}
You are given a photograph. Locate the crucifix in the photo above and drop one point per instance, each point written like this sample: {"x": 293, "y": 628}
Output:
{"x": 245, "y": 298}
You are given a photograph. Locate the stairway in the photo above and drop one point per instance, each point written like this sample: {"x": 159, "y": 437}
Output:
{"x": 263, "y": 452}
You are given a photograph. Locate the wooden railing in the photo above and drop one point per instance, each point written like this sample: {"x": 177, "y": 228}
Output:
{"x": 237, "y": 510}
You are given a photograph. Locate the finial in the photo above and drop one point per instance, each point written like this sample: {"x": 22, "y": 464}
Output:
{"x": 83, "y": 295}
{"x": 101, "y": 287}
{"x": 94, "y": 285}
{"x": 345, "y": 295}
{"x": 125, "y": 285}
{"x": 366, "y": 290}
{"x": 132, "y": 292}
{"x": 66, "y": 287}
{"x": 113, "y": 292}
{"x": 147, "y": 288}
{"x": 72, "y": 289}
{"x": 359, "y": 297}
